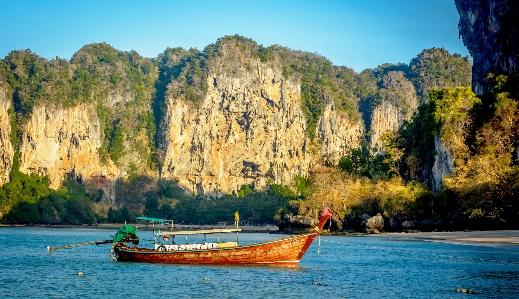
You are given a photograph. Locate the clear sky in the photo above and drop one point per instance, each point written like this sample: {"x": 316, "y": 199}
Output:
{"x": 359, "y": 34}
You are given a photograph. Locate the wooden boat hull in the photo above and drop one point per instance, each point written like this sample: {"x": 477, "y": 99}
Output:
{"x": 286, "y": 252}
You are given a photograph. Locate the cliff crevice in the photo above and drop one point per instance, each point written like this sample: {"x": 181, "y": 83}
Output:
{"x": 6, "y": 148}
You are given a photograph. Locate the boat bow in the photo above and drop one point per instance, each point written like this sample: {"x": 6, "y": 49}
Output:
{"x": 325, "y": 216}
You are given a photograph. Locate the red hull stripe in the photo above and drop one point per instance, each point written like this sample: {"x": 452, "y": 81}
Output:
{"x": 285, "y": 251}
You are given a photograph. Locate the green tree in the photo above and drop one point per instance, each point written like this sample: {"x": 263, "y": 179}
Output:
{"x": 116, "y": 147}
{"x": 436, "y": 68}
{"x": 244, "y": 191}
{"x": 170, "y": 189}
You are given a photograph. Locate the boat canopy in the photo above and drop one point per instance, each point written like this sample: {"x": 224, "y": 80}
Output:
{"x": 156, "y": 220}
{"x": 200, "y": 232}
{"x": 126, "y": 233}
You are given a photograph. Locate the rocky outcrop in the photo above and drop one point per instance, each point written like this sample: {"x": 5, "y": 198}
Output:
{"x": 408, "y": 224}
{"x": 6, "y": 148}
{"x": 61, "y": 142}
{"x": 337, "y": 133}
{"x": 230, "y": 116}
{"x": 491, "y": 36}
{"x": 385, "y": 118}
{"x": 395, "y": 102}
{"x": 443, "y": 165}
{"x": 249, "y": 129}
{"x": 296, "y": 224}
{"x": 375, "y": 224}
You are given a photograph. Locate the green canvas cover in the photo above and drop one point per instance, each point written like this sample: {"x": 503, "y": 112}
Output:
{"x": 126, "y": 233}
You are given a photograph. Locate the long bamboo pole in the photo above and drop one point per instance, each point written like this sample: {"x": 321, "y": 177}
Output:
{"x": 52, "y": 249}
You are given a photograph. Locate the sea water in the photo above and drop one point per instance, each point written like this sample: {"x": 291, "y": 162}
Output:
{"x": 341, "y": 267}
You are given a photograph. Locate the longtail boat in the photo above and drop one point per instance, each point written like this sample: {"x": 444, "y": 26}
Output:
{"x": 285, "y": 251}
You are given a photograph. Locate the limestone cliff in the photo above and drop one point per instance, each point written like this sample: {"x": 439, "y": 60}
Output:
{"x": 491, "y": 36}
{"x": 395, "y": 102}
{"x": 60, "y": 142}
{"x": 337, "y": 133}
{"x": 234, "y": 114}
{"x": 6, "y": 148}
{"x": 436, "y": 68}
{"x": 248, "y": 130}
{"x": 385, "y": 118}
{"x": 442, "y": 167}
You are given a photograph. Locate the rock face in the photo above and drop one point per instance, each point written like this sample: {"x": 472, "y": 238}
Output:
{"x": 249, "y": 129}
{"x": 491, "y": 36}
{"x": 408, "y": 224}
{"x": 443, "y": 165}
{"x": 6, "y": 148}
{"x": 296, "y": 224}
{"x": 60, "y": 142}
{"x": 337, "y": 134}
{"x": 246, "y": 124}
{"x": 386, "y": 118}
{"x": 375, "y": 224}
{"x": 396, "y": 102}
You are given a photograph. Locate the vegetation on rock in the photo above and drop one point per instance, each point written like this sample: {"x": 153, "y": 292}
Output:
{"x": 436, "y": 69}
{"x": 482, "y": 188}
{"x": 128, "y": 93}
{"x": 485, "y": 182}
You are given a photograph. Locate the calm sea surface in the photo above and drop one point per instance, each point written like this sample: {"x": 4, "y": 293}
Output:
{"x": 346, "y": 267}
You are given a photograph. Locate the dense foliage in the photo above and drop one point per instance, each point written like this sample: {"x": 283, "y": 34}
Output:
{"x": 27, "y": 199}
{"x": 182, "y": 75}
{"x": 485, "y": 181}
{"x": 254, "y": 208}
{"x": 350, "y": 195}
{"x": 481, "y": 136}
{"x": 446, "y": 116}
{"x": 435, "y": 69}
{"x": 165, "y": 199}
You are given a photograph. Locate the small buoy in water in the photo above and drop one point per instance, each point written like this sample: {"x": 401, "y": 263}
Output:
{"x": 318, "y": 283}
{"x": 207, "y": 278}
{"x": 80, "y": 273}
{"x": 467, "y": 291}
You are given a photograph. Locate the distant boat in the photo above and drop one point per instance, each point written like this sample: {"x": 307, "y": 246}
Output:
{"x": 285, "y": 251}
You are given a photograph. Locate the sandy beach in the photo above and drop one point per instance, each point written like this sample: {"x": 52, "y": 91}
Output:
{"x": 497, "y": 236}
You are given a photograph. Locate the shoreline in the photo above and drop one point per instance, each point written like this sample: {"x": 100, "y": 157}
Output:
{"x": 509, "y": 237}
{"x": 144, "y": 227}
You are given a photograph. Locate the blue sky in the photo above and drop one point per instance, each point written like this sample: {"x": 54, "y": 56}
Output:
{"x": 359, "y": 34}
